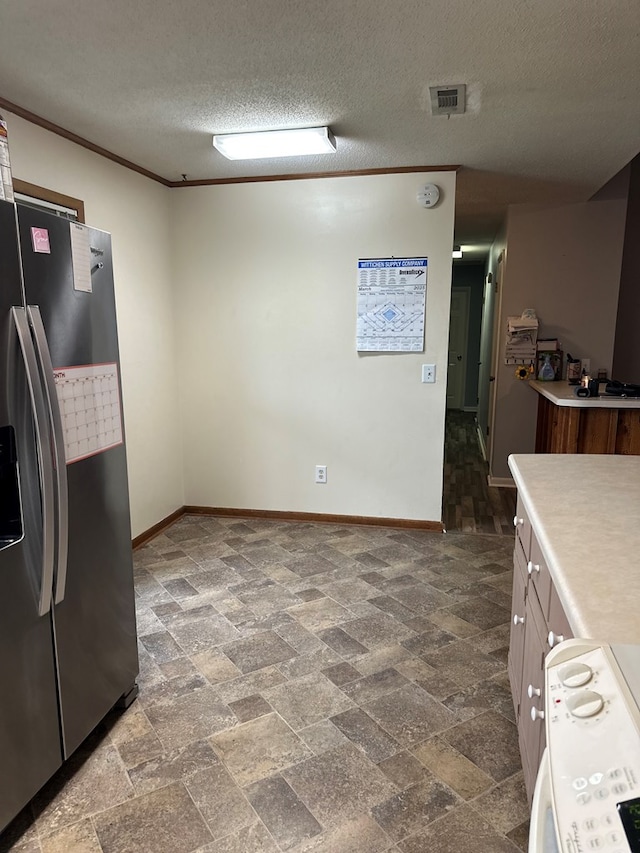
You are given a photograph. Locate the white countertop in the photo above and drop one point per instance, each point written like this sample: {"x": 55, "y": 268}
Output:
{"x": 585, "y": 510}
{"x": 563, "y": 394}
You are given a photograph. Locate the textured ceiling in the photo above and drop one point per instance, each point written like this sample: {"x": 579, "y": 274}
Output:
{"x": 552, "y": 86}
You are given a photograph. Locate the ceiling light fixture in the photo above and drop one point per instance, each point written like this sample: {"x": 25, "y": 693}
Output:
{"x": 457, "y": 252}
{"x": 275, "y": 143}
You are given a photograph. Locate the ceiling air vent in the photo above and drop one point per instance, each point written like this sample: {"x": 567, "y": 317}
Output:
{"x": 447, "y": 100}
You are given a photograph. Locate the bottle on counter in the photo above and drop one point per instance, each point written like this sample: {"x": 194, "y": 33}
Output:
{"x": 546, "y": 372}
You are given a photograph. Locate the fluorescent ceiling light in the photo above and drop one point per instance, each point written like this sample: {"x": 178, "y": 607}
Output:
{"x": 457, "y": 252}
{"x": 275, "y": 143}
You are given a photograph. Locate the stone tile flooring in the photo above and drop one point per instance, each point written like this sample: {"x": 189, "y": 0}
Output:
{"x": 310, "y": 688}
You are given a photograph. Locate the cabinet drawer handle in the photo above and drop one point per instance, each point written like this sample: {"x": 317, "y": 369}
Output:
{"x": 533, "y": 567}
{"x": 554, "y": 639}
{"x": 536, "y": 714}
{"x": 533, "y": 691}
{"x": 518, "y": 620}
{"x": 517, "y": 521}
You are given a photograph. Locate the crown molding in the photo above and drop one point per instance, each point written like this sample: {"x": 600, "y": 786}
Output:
{"x": 27, "y": 115}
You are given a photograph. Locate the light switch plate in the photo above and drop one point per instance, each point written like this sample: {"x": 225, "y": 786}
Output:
{"x": 428, "y": 373}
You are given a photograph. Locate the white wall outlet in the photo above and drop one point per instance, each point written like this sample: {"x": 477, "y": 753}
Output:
{"x": 321, "y": 473}
{"x": 585, "y": 366}
{"x": 428, "y": 373}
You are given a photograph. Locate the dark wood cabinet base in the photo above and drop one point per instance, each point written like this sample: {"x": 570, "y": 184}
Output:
{"x": 570, "y": 429}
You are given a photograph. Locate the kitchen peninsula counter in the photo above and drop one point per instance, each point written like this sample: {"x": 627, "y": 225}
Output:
{"x": 570, "y": 424}
{"x": 585, "y": 511}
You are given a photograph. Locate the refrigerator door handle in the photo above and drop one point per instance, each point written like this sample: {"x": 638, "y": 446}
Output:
{"x": 60, "y": 462}
{"x": 45, "y": 462}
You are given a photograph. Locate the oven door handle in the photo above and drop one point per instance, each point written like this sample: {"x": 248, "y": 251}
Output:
{"x": 542, "y": 829}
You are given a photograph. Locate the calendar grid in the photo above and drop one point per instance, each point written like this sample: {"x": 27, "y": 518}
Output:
{"x": 89, "y": 399}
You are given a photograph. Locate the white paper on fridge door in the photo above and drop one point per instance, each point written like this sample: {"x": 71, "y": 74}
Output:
{"x": 81, "y": 257}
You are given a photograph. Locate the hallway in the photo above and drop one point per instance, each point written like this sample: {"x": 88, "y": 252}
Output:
{"x": 469, "y": 504}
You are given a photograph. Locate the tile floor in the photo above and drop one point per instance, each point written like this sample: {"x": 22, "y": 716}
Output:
{"x": 309, "y": 688}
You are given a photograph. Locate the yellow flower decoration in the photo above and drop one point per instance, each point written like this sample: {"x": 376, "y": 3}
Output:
{"x": 524, "y": 372}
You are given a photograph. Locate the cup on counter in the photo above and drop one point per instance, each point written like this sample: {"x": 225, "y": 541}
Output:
{"x": 573, "y": 372}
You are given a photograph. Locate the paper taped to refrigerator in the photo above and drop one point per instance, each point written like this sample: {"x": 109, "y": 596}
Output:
{"x": 391, "y": 304}
{"x": 81, "y": 257}
{"x": 89, "y": 399}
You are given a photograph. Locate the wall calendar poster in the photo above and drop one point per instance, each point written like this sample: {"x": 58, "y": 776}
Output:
{"x": 391, "y": 304}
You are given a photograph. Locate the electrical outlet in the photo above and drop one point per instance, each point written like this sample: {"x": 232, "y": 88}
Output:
{"x": 428, "y": 373}
{"x": 585, "y": 366}
{"x": 321, "y": 473}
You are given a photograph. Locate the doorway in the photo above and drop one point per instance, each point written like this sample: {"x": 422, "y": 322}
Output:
{"x": 469, "y": 504}
{"x": 458, "y": 339}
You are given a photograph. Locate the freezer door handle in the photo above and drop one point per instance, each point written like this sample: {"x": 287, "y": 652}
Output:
{"x": 45, "y": 462}
{"x": 60, "y": 462}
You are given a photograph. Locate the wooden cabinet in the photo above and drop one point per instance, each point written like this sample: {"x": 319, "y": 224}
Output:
{"x": 569, "y": 429}
{"x": 538, "y": 622}
{"x": 516, "y": 640}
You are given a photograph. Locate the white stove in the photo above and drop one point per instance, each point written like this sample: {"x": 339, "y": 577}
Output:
{"x": 587, "y": 795}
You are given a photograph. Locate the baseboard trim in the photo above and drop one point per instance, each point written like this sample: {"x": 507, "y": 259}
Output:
{"x": 316, "y": 517}
{"x": 501, "y": 482}
{"x": 154, "y": 531}
{"x": 482, "y": 442}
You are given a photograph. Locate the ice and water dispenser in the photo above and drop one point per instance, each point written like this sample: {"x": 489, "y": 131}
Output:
{"x": 11, "y": 529}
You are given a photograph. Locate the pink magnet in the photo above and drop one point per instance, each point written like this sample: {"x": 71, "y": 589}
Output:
{"x": 40, "y": 240}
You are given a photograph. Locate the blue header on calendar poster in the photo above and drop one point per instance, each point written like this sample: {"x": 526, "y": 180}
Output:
{"x": 389, "y": 263}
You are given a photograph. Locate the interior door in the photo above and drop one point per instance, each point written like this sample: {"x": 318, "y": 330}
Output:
{"x": 458, "y": 335}
{"x": 495, "y": 351}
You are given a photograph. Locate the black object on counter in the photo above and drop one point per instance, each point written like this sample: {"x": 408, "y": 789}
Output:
{"x": 621, "y": 389}
{"x": 589, "y": 390}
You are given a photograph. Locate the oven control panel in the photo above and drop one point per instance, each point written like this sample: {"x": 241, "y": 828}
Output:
{"x": 593, "y": 738}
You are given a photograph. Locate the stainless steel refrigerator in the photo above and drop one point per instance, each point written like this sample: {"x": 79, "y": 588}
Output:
{"x": 67, "y": 619}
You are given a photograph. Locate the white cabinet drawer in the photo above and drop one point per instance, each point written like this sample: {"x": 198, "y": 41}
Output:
{"x": 539, "y": 575}
{"x": 558, "y": 622}
{"x": 522, "y": 525}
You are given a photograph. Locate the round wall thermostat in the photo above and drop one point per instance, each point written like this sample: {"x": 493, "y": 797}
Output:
{"x": 428, "y": 195}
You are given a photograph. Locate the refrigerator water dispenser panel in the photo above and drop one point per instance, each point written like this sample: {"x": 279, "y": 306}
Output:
{"x": 11, "y": 529}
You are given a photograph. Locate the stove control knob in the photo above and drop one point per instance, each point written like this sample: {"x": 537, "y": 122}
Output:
{"x": 585, "y": 704}
{"x": 575, "y": 674}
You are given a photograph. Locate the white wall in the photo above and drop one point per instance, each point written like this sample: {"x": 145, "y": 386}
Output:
{"x": 564, "y": 261}
{"x": 240, "y": 301}
{"x": 265, "y": 275}
{"x": 136, "y": 211}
